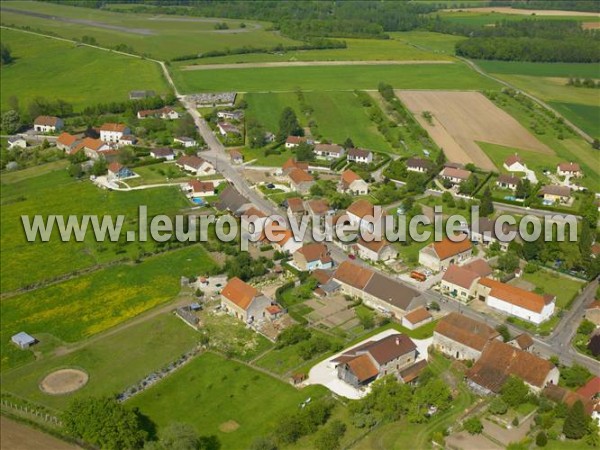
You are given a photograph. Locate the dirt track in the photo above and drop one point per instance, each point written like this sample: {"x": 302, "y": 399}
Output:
{"x": 17, "y": 436}
{"x": 308, "y": 63}
{"x": 527, "y": 12}
{"x": 461, "y": 119}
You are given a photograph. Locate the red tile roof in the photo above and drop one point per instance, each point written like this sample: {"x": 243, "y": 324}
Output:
{"x": 512, "y": 159}
{"x": 467, "y": 331}
{"x": 300, "y": 176}
{"x": 452, "y": 172}
{"x": 114, "y": 167}
{"x": 239, "y": 293}
{"x": 66, "y": 139}
{"x": 353, "y": 274}
{"x": 293, "y": 164}
{"x": 569, "y": 167}
{"x": 517, "y": 296}
{"x": 295, "y": 204}
{"x": 460, "y": 276}
{"x": 202, "y": 186}
{"x": 418, "y": 315}
{"x": 363, "y": 368}
{"x": 48, "y": 121}
{"x": 349, "y": 176}
{"x": 590, "y": 389}
{"x": 114, "y": 127}
{"x": 314, "y": 251}
{"x": 295, "y": 140}
{"x": 447, "y": 248}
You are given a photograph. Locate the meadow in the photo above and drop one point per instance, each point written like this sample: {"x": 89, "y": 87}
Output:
{"x": 563, "y": 287}
{"x": 438, "y": 43}
{"x": 113, "y": 363}
{"x": 46, "y": 193}
{"x": 489, "y": 18}
{"x": 53, "y": 69}
{"x": 335, "y": 78}
{"x": 211, "y": 391}
{"x": 536, "y": 69}
{"x": 89, "y": 304}
{"x": 161, "y": 37}
{"x": 587, "y": 117}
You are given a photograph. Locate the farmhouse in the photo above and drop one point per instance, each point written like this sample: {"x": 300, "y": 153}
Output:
{"x": 365, "y": 216}
{"x": 163, "y": 153}
{"x": 295, "y": 207}
{"x": 461, "y": 337}
{"x": 113, "y": 132}
{"x": 244, "y": 301}
{"x": 455, "y": 175}
{"x": 195, "y": 165}
{"x": 507, "y": 181}
{"x": 556, "y": 194}
{"x": 360, "y": 155}
{"x": 361, "y": 365}
{"x": 236, "y": 157}
{"x": 592, "y": 312}
{"x": 238, "y": 115}
{"x": 499, "y": 361}
{"x": 417, "y": 318}
{"x": 93, "y": 148}
{"x": 162, "y": 113}
{"x": 196, "y": 188}
{"x": 23, "y": 340}
{"x": 313, "y": 256}
{"x": 461, "y": 282}
{"x": 300, "y": 181}
{"x": 352, "y": 183}
{"x": 515, "y": 301}
{"x": 294, "y": 141}
{"x": 328, "y": 151}
{"x": 439, "y": 255}
{"x": 376, "y": 250}
{"x": 514, "y": 163}
{"x": 185, "y": 141}
{"x": 231, "y": 200}
{"x": 47, "y": 124}
{"x": 292, "y": 164}
{"x": 570, "y": 169}
{"x": 226, "y": 128}
{"x": 485, "y": 233}
{"x": 418, "y": 165}
{"x": 117, "y": 171}
{"x": 16, "y": 141}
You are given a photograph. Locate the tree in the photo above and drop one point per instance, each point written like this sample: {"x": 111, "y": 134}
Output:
{"x": 576, "y": 422}
{"x": 508, "y": 262}
{"x": 575, "y": 375}
{"x": 288, "y": 124}
{"x": 75, "y": 170}
{"x": 176, "y": 436}
{"x": 586, "y": 327}
{"x": 99, "y": 167}
{"x": 304, "y": 152}
{"x": 541, "y": 439}
{"x": 473, "y": 425}
{"x": 504, "y": 332}
{"x": 514, "y": 392}
{"x": 329, "y": 437}
{"x": 11, "y": 121}
{"x": 104, "y": 422}
{"x": 5, "y": 54}
{"x": 498, "y": 406}
{"x": 263, "y": 443}
{"x": 487, "y": 206}
{"x": 523, "y": 188}
{"x": 348, "y": 143}
{"x": 255, "y": 133}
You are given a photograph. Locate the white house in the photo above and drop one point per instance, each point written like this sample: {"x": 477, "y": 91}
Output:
{"x": 455, "y": 175}
{"x": 418, "y": 165}
{"x": 294, "y": 141}
{"x": 514, "y": 163}
{"x": 376, "y": 250}
{"x": 352, "y": 183}
{"x": 47, "y": 124}
{"x": 113, "y": 132}
{"x": 328, "y": 151}
{"x": 569, "y": 169}
{"x": 16, "y": 142}
{"x": 281, "y": 239}
{"x": 163, "y": 153}
{"x": 507, "y": 182}
{"x": 515, "y": 301}
{"x": 313, "y": 256}
{"x": 360, "y": 155}
{"x": 163, "y": 113}
{"x": 439, "y": 255}
{"x": 226, "y": 128}
{"x": 185, "y": 141}
{"x": 196, "y": 165}
{"x": 253, "y": 223}
{"x": 198, "y": 189}
{"x": 231, "y": 115}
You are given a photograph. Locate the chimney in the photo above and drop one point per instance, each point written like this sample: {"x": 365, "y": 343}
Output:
{"x": 397, "y": 340}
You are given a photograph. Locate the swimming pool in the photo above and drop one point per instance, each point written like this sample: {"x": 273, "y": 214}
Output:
{"x": 198, "y": 201}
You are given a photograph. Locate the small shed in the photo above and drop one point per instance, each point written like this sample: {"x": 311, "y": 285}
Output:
{"x": 23, "y": 340}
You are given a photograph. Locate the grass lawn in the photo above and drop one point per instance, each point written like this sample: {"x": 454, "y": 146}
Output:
{"x": 56, "y": 193}
{"x": 89, "y": 304}
{"x": 583, "y": 70}
{"x": 564, "y": 288}
{"x": 211, "y": 390}
{"x": 261, "y": 159}
{"x": 158, "y": 173}
{"x": 53, "y": 69}
{"x": 337, "y": 78}
{"x": 113, "y": 363}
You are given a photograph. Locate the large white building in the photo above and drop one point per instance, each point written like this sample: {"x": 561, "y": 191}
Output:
{"x": 113, "y": 132}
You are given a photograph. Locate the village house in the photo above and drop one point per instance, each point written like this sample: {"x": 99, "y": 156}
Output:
{"x": 16, "y": 142}
{"x": 418, "y": 165}
{"x": 236, "y": 157}
{"x": 515, "y": 301}
{"x": 325, "y": 284}
{"x": 376, "y": 250}
{"x": 352, "y": 183}
{"x": 461, "y": 337}
{"x": 47, "y": 124}
{"x": 198, "y": 189}
{"x": 295, "y": 207}
{"x": 116, "y": 171}
{"x": 592, "y": 312}
{"x": 292, "y": 164}
{"x": 93, "y": 148}
{"x": 195, "y": 165}
{"x": 162, "y": 113}
{"x": 455, "y": 175}
{"x": 253, "y": 223}
{"x": 505, "y": 181}
{"x": 363, "y": 364}
{"x": 439, "y": 255}
{"x": 113, "y": 132}
{"x": 461, "y": 282}
{"x": 243, "y": 301}
{"x": 570, "y": 169}
{"x": 163, "y": 153}
{"x": 500, "y": 361}
{"x": 514, "y": 163}
{"x": 523, "y": 342}
{"x": 556, "y": 194}
{"x": 359, "y": 155}
{"x": 127, "y": 139}
{"x": 365, "y": 216}
{"x": 226, "y": 128}
{"x": 416, "y": 318}
{"x": 318, "y": 209}
{"x": 238, "y": 115}
{"x": 231, "y": 200}
{"x": 185, "y": 141}
{"x": 313, "y": 256}
{"x": 280, "y": 237}
{"x": 328, "y": 152}
{"x": 294, "y": 141}
{"x": 485, "y": 233}
{"x": 300, "y": 181}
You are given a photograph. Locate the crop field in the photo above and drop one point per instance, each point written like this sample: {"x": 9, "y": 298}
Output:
{"x": 335, "y": 78}
{"x": 438, "y": 43}
{"x": 56, "y": 193}
{"x": 212, "y": 391}
{"x": 485, "y": 16}
{"x": 55, "y": 69}
{"x": 162, "y": 37}
{"x": 586, "y": 117}
{"x": 89, "y": 304}
{"x": 113, "y": 362}
{"x": 535, "y": 69}
{"x": 462, "y": 118}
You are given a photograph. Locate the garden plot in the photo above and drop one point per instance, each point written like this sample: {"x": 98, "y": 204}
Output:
{"x": 460, "y": 119}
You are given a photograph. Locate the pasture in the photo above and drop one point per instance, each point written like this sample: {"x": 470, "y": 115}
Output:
{"x": 334, "y": 78}
{"x": 53, "y": 69}
{"x": 161, "y": 37}
{"x": 27, "y": 193}
{"x": 490, "y": 16}
{"x": 113, "y": 363}
{"x": 212, "y": 391}
{"x": 438, "y": 43}
{"x": 462, "y": 118}
{"x": 536, "y": 69}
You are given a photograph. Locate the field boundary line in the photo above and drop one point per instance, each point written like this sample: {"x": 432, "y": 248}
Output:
{"x": 275, "y": 64}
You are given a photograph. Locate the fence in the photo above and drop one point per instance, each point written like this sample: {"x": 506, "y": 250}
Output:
{"x": 32, "y": 411}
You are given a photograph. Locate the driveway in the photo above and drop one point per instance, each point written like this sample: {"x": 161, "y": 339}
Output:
{"x": 325, "y": 374}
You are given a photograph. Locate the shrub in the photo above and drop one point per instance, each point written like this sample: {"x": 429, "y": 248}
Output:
{"x": 473, "y": 425}
{"x": 498, "y": 406}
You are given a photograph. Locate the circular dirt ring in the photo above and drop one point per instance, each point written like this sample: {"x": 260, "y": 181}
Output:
{"x": 64, "y": 381}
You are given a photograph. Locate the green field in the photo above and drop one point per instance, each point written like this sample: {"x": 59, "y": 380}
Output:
{"x": 563, "y": 287}
{"x": 541, "y": 69}
{"x": 92, "y": 303}
{"x": 211, "y": 390}
{"x": 335, "y": 78}
{"x": 113, "y": 363}
{"x": 161, "y": 37}
{"x": 438, "y": 43}
{"x": 586, "y": 117}
{"x": 45, "y": 67}
{"x": 56, "y": 193}
{"x": 490, "y": 18}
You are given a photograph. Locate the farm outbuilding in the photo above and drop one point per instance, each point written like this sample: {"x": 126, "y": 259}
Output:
{"x": 23, "y": 340}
